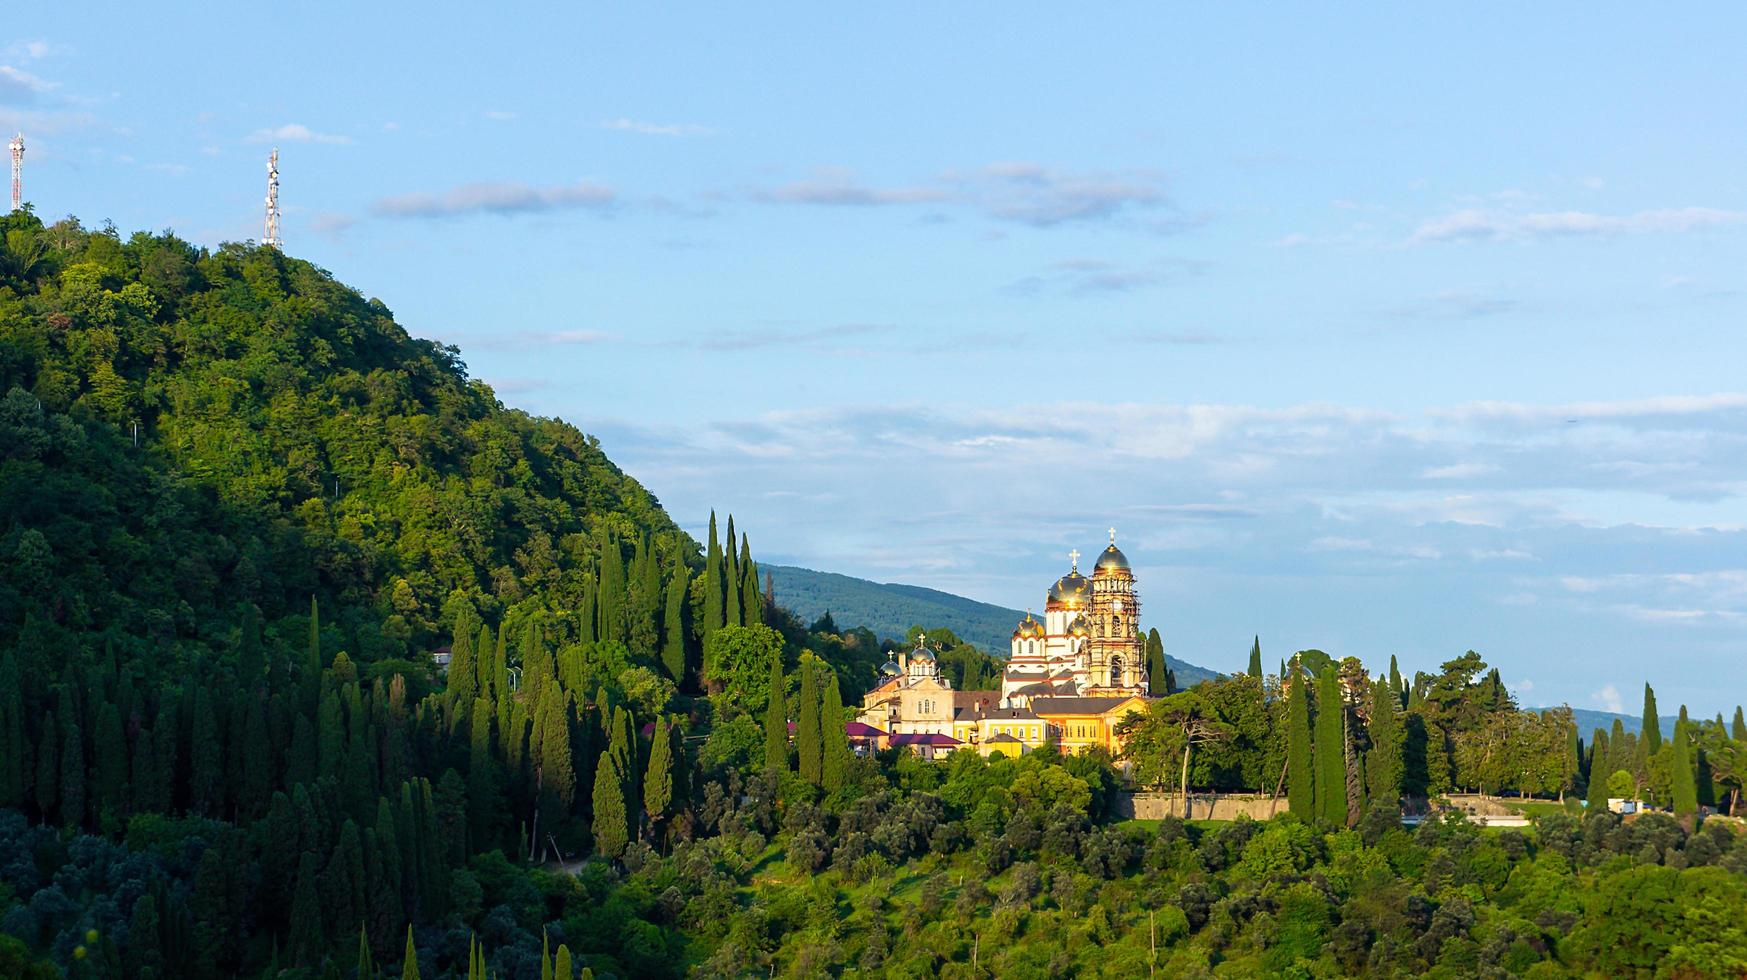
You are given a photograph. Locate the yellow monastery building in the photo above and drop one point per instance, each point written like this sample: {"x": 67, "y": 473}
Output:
{"x": 1070, "y": 678}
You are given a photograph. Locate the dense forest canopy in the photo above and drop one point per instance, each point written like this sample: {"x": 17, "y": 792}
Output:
{"x": 242, "y": 511}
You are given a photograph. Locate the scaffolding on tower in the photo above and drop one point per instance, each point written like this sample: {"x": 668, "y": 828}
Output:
{"x": 17, "y": 148}
{"x": 271, "y": 238}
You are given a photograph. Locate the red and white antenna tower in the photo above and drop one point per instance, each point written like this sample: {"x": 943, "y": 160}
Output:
{"x": 17, "y": 148}
{"x": 271, "y": 238}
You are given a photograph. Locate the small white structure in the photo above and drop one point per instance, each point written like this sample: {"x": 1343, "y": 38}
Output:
{"x": 1617, "y": 805}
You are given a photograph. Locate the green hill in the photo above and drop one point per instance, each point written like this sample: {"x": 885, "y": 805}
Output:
{"x": 890, "y": 609}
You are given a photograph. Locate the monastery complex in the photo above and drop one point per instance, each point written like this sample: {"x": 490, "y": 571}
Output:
{"x": 1070, "y": 677}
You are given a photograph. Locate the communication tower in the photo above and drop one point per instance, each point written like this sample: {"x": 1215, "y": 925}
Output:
{"x": 17, "y": 148}
{"x": 271, "y": 238}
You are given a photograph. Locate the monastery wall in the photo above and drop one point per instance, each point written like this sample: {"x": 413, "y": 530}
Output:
{"x": 1202, "y": 806}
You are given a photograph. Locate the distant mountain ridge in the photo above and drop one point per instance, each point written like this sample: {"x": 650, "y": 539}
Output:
{"x": 890, "y": 609}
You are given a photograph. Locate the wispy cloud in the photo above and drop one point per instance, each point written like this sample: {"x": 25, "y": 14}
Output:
{"x": 502, "y": 198}
{"x": 19, "y": 87}
{"x": 1085, "y": 275}
{"x": 295, "y": 133}
{"x": 1014, "y": 192}
{"x": 1475, "y": 224}
{"x": 740, "y": 340}
{"x": 1454, "y": 305}
{"x": 655, "y": 129}
{"x": 534, "y": 339}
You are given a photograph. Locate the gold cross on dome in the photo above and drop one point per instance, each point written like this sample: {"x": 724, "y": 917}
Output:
{"x": 1112, "y": 535}
{"x": 1074, "y": 556}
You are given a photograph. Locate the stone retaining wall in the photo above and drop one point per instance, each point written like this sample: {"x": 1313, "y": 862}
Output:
{"x": 1202, "y": 806}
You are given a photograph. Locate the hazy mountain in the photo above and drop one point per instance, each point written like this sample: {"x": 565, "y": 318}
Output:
{"x": 890, "y": 609}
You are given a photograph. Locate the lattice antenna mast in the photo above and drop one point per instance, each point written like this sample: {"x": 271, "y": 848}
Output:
{"x": 17, "y": 148}
{"x": 271, "y": 238}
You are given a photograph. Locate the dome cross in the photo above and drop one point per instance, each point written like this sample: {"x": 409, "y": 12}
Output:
{"x": 1074, "y": 556}
{"x": 1112, "y": 535}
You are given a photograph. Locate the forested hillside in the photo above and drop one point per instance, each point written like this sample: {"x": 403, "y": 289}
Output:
{"x": 240, "y": 509}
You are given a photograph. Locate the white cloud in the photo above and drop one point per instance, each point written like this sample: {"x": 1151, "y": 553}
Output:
{"x": 1459, "y": 471}
{"x": 1016, "y": 192}
{"x": 1609, "y": 699}
{"x": 502, "y": 197}
{"x": 655, "y": 129}
{"x": 295, "y": 133}
{"x": 19, "y": 87}
{"x": 1474, "y": 224}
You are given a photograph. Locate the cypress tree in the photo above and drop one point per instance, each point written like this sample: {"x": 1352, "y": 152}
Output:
{"x": 343, "y": 886}
{"x": 14, "y": 746}
{"x": 307, "y": 940}
{"x": 410, "y": 962}
{"x": 587, "y": 622}
{"x": 612, "y": 824}
{"x": 500, "y": 686}
{"x": 310, "y": 676}
{"x": 809, "y": 750}
{"x": 1598, "y": 772}
{"x": 484, "y": 792}
{"x": 366, "y": 962}
{"x": 1651, "y": 732}
{"x": 776, "y": 721}
{"x": 1300, "y": 769}
{"x": 48, "y": 767}
{"x": 674, "y": 628}
{"x": 463, "y": 675}
{"x": 145, "y": 956}
{"x": 72, "y": 772}
{"x": 610, "y": 603}
{"x": 1739, "y": 729}
{"x": 1395, "y": 683}
{"x": 557, "y": 769}
{"x": 751, "y": 604}
{"x": 251, "y": 667}
{"x": 658, "y": 780}
{"x": 1157, "y": 673}
{"x": 834, "y": 766}
{"x": 484, "y": 667}
{"x": 730, "y": 579}
{"x": 109, "y": 752}
{"x": 1256, "y": 657}
{"x": 1331, "y": 776}
{"x": 1682, "y": 783}
{"x": 715, "y": 613}
{"x": 561, "y": 966}
{"x": 1383, "y": 762}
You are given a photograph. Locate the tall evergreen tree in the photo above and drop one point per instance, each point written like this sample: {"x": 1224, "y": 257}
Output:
{"x": 1157, "y": 673}
{"x": 674, "y": 627}
{"x": 47, "y": 783}
{"x": 556, "y": 766}
{"x": 1384, "y": 760}
{"x": 409, "y": 969}
{"x": 751, "y": 603}
{"x": 1256, "y": 657}
{"x": 1395, "y": 682}
{"x": 731, "y": 609}
{"x": 14, "y": 745}
{"x": 809, "y": 747}
{"x": 644, "y": 605}
{"x": 588, "y": 623}
{"x": 1329, "y": 746}
{"x": 1300, "y": 767}
{"x": 1598, "y": 772}
{"x": 561, "y": 964}
{"x": 834, "y": 766}
{"x": 610, "y": 601}
{"x": 658, "y": 780}
{"x": 776, "y": 721}
{"x": 109, "y": 758}
{"x": 715, "y": 599}
{"x": 1739, "y": 728}
{"x": 1683, "y": 785}
{"x": 307, "y": 938}
{"x": 463, "y": 673}
{"x": 1651, "y": 732}
{"x": 366, "y": 968}
{"x": 72, "y": 772}
{"x": 612, "y": 821}
{"x": 310, "y": 675}
{"x": 251, "y": 665}
{"x": 484, "y": 791}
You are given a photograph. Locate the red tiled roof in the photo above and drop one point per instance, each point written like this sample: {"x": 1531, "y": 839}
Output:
{"x": 932, "y": 738}
{"x": 856, "y": 729}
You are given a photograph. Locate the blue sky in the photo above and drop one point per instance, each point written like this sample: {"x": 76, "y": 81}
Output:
{"x": 1401, "y": 332}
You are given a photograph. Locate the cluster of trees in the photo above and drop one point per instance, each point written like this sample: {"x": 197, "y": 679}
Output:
{"x": 1331, "y": 739}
